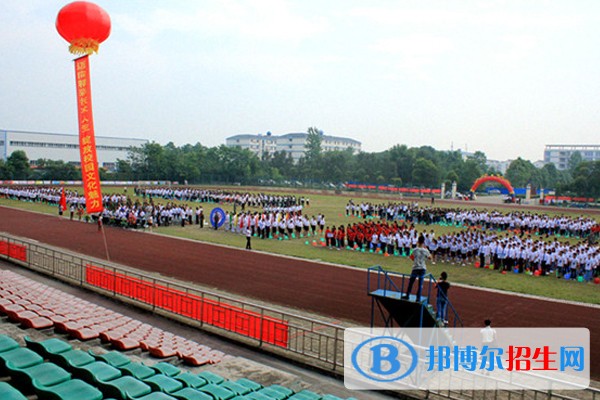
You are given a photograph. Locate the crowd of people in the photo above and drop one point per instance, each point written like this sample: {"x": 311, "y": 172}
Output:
{"x": 521, "y": 221}
{"x": 275, "y": 224}
{"x": 119, "y": 209}
{"x": 410, "y": 212}
{"x": 487, "y": 249}
{"x": 389, "y": 229}
{"x": 242, "y": 199}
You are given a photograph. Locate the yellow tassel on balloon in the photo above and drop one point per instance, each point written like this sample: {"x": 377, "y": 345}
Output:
{"x": 84, "y": 46}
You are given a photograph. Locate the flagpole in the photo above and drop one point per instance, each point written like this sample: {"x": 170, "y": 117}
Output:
{"x": 105, "y": 244}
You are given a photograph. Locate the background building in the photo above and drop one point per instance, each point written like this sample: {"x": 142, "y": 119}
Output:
{"x": 291, "y": 143}
{"x": 500, "y": 166}
{"x": 65, "y": 147}
{"x": 261, "y": 145}
{"x": 559, "y": 154}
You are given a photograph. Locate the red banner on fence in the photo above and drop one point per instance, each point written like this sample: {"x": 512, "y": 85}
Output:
{"x": 12, "y": 250}
{"x": 217, "y": 313}
{"x": 87, "y": 141}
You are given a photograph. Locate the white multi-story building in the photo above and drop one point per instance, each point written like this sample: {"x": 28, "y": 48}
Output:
{"x": 291, "y": 143}
{"x": 261, "y": 145}
{"x": 65, "y": 147}
{"x": 559, "y": 154}
{"x": 500, "y": 166}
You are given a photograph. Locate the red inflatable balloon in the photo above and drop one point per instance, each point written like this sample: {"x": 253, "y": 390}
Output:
{"x": 84, "y": 25}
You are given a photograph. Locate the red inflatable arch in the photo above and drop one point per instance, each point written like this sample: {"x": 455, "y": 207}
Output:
{"x": 498, "y": 179}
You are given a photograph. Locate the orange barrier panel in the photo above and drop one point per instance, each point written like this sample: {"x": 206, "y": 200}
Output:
{"x": 219, "y": 314}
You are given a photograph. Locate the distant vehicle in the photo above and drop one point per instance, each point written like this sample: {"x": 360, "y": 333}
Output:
{"x": 509, "y": 199}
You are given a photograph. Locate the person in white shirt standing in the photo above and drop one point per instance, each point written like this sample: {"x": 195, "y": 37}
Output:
{"x": 488, "y": 334}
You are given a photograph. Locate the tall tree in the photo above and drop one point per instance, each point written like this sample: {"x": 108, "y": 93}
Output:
{"x": 313, "y": 154}
{"x": 4, "y": 171}
{"x": 18, "y": 165}
{"x": 55, "y": 170}
{"x": 574, "y": 161}
{"x": 469, "y": 172}
{"x": 425, "y": 173}
{"x": 313, "y": 143}
{"x": 520, "y": 172}
{"x": 586, "y": 179}
{"x": 480, "y": 159}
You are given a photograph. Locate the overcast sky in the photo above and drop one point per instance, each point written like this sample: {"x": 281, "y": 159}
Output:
{"x": 503, "y": 77}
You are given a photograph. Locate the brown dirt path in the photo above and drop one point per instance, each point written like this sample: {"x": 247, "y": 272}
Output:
{"x": 317, "y": 288}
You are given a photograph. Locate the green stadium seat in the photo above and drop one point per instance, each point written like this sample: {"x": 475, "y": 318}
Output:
{"x": 166, "y": 368}
{"x": 73, "y": 389}
{"x": 276, "y": 392}
{"x": 236, "y": 388}
{"x": 45, "y": 374}
{"x": 19, "y": 358}
{"x": 190, "y": 394}
{"x": 217, "y": 392}
{"x": 257, "y": 396}
{"x": 7, "y": 392}
{"x": 156, "y": 396}
{"x": 124, "y": 363}
{"x": 253, "y": 386}
{"x": 48, "y": 347}
{"x": 163, "y": 383}
{"x": 137, "y": 370}
{"x": 72, "y": 358}
{"x": 124, "y": 388}
{"x": 305, "y": 395}
{"x": 190, "y": 380}
{"x": 7, "y": 343}
{"x": 331, "y": 397}
{"x": 97, "y": 371}
{"x": 113, "y": 358}
{"x": 211, "y": 377}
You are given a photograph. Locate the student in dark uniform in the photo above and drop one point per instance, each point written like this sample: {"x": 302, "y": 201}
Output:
{"x": 442, "y": 298}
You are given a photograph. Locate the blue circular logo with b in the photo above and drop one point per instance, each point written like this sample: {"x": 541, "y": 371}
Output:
{"x": 384, "y": 359}
{"x": 217, "y": 217}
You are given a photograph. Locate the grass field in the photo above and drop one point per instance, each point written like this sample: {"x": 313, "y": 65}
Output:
{"x": 333, "y": 207}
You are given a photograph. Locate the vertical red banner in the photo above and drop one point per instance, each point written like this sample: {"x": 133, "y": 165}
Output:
{"x": 87, "y": 141}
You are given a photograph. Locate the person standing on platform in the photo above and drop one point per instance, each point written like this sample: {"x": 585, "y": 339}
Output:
{"x": 488, "y": 334}
{"x": 420, "y": 255}
{"x": 442, "y": 298}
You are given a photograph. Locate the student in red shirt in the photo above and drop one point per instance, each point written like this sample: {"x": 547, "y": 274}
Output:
{"x": 340, "y": 236}
{"x": 351, "y": 236}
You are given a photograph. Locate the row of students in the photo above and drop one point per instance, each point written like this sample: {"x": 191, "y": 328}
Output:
{"x": 275, "y": 224}
{"x": 242, "y": 199}
{"x": 521, "y": 221}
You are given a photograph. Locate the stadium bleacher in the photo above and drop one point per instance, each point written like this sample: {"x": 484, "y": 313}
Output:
{"x": 60, "y": 367}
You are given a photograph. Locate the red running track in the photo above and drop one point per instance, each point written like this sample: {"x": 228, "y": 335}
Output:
{"x": 317, "y": 288}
